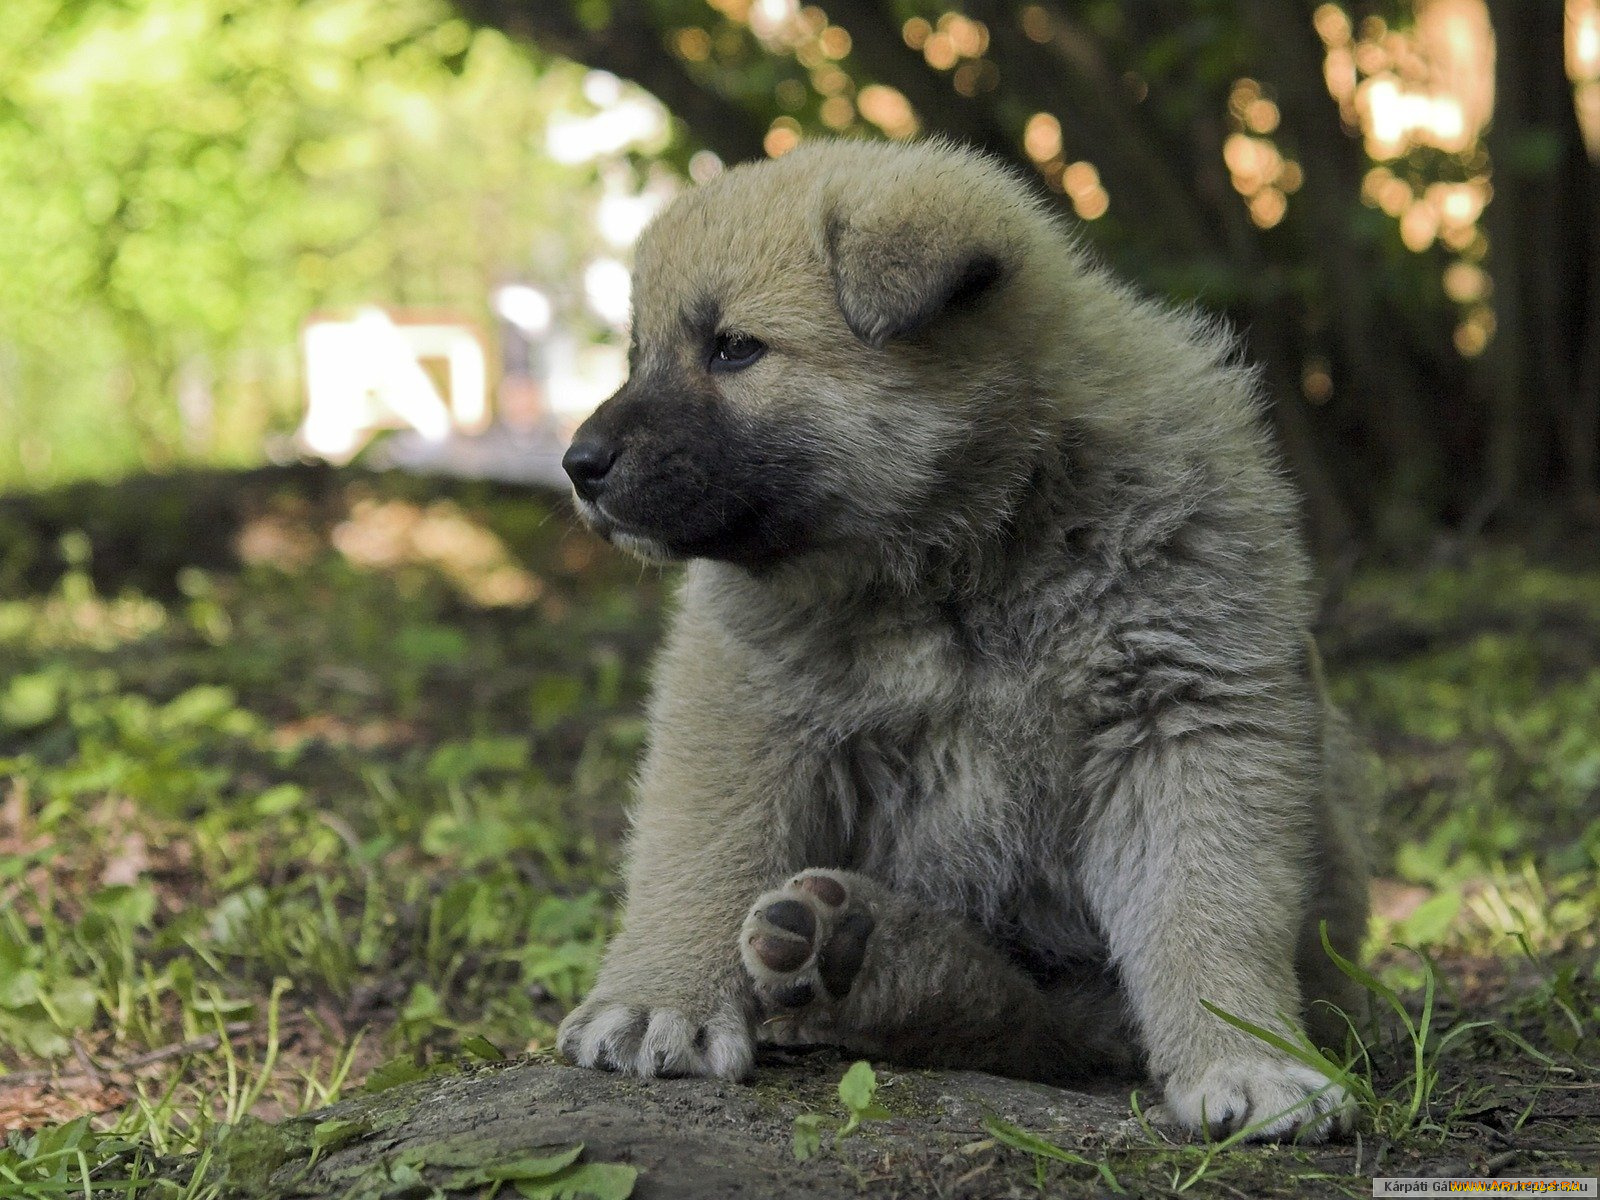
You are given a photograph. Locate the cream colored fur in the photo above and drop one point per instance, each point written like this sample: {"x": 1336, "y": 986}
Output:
{"x": 1036, "y": 685}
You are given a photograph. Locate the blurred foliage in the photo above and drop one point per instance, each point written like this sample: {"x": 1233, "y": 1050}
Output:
{"x": 1495, "y": 696}
{"x": 1478, "y": 686}
{"x": 182, "y": 182}
{"x": 369, "y": 778}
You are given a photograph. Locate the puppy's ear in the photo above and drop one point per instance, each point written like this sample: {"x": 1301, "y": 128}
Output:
{"x": 892, "y": 279}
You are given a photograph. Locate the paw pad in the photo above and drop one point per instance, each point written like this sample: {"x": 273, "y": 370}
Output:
{"x": 806, "y": 942}
{"x": 824, "y": 887}
{"x": 780, "y": 953}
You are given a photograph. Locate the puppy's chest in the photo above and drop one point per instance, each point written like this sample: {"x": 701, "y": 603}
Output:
{"x": 929, "y": 668}
{"x": 961, "y": 795}
{"x": 951, "y": 774}
{"x": 971, "y": 825}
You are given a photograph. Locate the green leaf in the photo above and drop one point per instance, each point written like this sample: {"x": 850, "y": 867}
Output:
{"x": 128, "y": 905}
{"x": 533, "y": 1167}
{"x": 857, "y": 1088}
{"x": 30, "y": 700}
{"x": 406, "y": 1174}
{"x": 39, "y": 1037}
{"x": 586, "y": 1181}
{"x": 278, "y": 800}
{"x": 326, "y": 1135}
{"x": 1432, "y": 919}
{"x": 330, "y": 1135}
{"x": 807, "y": 1135}
{"x": 402, "y": 1070}
{"x": 481, "y": 1047}
{"x": 1367, "y": 980}
{"x": 210, "y": 1000}
{"x": 426, "y": 645}
{"x": 231, "y": 919}
{"x": 74, "y": 1001}
{"x": 555, "y": 697}
{"x": 465, "y": 759}
{"x": 200, "y": 705}
{"x": 19, "y": 989}
{"x": 423, "y": 1004}
{"x": 529, "y": 1168}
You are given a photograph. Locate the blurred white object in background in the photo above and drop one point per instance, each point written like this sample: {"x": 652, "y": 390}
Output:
{"x": 524, "y": 306}
{"x": 608, "y": 287}
{"x": 624, "y": 119}
{"x": 365, "y": 374}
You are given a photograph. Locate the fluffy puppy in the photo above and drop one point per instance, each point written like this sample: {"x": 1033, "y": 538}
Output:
{"x": 986, "y": 732}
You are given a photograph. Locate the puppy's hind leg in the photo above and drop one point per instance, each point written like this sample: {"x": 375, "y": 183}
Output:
{"x": 836, "y": 956}
{"x": 1339, "y": 891}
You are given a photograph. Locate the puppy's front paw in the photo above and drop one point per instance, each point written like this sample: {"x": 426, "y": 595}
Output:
{"x": 1279, "y": 1097}
{"x": 803, "y": 943}
{"x": 658, "y": 1040}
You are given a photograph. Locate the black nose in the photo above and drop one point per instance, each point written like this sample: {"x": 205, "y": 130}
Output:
{"x": 586, "y": 463}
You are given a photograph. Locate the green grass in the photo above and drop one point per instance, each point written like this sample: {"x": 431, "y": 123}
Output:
{"x": 348, "y": 808}
{"x": 355, "y": 800}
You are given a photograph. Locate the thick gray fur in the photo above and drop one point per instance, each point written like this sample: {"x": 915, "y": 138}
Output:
{"x": 1040, "y": 685}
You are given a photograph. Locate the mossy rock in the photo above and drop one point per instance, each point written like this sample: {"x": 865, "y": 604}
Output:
{"x": 685, "y": 1137}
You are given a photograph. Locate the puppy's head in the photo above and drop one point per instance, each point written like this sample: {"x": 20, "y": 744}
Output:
{"x": 820, "y": 344}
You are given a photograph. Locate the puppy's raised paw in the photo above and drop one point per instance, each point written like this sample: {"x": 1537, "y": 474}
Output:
{"x": 804, "y": 943}
{"x": 1271, "y": 1098}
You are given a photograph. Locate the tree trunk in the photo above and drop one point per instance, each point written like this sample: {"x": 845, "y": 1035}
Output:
{"x": 1373, "y": 370}
{"x": 1542, "y": 249}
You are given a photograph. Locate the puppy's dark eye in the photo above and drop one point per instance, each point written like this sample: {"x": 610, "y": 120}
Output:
{"x": 735, "y": 351}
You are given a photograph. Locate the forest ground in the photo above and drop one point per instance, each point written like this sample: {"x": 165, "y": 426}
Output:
{"x": 311, "y": 784}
